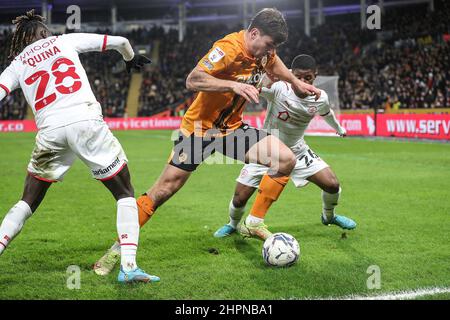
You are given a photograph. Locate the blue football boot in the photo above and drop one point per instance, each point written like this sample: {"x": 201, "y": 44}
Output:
{"x": 224, "y": 231}
{"x": 136, "y": 275}
{"x": 341, "y": 221}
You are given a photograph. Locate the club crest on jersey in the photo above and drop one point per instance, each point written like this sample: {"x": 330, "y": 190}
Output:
{"x": 182, "y": 157}
{"x": 283, "y": 115}
{"x": 312, "y": 110}
{"x": 264, "y": 61}
{"x": 216, "y": 54}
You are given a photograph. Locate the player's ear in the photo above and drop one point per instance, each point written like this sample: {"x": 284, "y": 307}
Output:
{"x": 44, "y": 33}
{"x": 254, "y": 33}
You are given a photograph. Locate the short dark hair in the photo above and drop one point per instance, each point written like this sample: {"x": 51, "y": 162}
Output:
{"x": 304, "y": 62}
{"x": 271, "y": 22}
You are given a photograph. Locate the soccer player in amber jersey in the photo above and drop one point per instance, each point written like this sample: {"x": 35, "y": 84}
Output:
{"x": 69, "y": 118}
{"x": 226, "y": 78}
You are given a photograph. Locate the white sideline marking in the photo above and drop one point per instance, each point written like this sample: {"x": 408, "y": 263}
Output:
{"x": 401, "y": 295}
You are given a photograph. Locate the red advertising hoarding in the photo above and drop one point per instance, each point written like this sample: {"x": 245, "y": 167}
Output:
{"x": 154, "y": 123}
{"x": 355, "y": 124}
{"x": 17, "y": 126}
{"x": 426, "y": 126}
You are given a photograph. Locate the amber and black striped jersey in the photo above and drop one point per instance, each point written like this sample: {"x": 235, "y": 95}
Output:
{"x": 228, "y": 60}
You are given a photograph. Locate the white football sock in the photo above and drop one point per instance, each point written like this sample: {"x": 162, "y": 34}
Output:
{"x": 329, "y": 202}
{"x": 128, "y": 230}
{"x": 253, "y": 221}
{"x": 235, "y": 214}
{"x": 13, "y": 223}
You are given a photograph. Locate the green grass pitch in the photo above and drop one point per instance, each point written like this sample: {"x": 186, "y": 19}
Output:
{"x": 398, "y": 192}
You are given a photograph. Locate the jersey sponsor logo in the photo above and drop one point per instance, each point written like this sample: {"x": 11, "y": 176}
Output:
{"x": 107, "y": 169}
{"x": 264, "y": 61}
{"x": 312, "y": 110}
{"x": 253, "y": 79}
{"x": 216, "y": 54}
{"x": 32, "y": 50}
{"x": 283, "y": 115}
{"x": 36, "y": 59}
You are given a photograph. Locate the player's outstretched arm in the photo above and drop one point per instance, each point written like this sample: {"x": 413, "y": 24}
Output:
{"x": 199, "y": 80}
{"x": 120, "y": 44}
{"x": 123, "y": 46}
{"x": 330, "y": 118}
{"x": 279, "y": 70}
{"x": 87, "y": 42}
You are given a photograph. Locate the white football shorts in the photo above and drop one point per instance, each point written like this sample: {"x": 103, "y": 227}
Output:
{"x": 308, "y": 164}
{"x": 90, "y": 140}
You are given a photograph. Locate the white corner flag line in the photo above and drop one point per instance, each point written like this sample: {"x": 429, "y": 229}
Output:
{"x": 401, "y": 295}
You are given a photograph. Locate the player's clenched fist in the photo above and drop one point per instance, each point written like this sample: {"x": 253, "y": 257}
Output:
{"x": 249, "y": 92}
{"x": 137, "y": 62}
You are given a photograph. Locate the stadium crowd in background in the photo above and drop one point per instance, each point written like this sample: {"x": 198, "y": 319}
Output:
{"x": 109, "y": 81}
{"x": 164, "y": 86}
{"x": 14, "y": 106}
{"x": 409, "y": 68}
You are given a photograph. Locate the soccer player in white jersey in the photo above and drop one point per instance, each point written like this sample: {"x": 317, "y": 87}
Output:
{"x": 288, "y": 115}
{"x": 70, "y": 123}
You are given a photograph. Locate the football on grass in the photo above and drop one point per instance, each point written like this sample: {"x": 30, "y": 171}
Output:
{"x": 281, "y": 250}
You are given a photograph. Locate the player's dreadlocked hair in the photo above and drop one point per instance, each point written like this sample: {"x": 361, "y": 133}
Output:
{"x": 26, "y": 28}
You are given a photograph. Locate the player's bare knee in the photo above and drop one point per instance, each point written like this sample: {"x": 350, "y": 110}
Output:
{"x": 287, "y": 163}
{"x": 32, "y": 203}
{"x": 121, "y": 192}
{"x": 332, "y": 186}
{"x": 126, "y": 193}
{"x": 127, "y": 190}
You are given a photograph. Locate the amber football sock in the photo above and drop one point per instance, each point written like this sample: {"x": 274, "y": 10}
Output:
{"x": 146, "y": 209}
{"x": 269, "y": 190}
